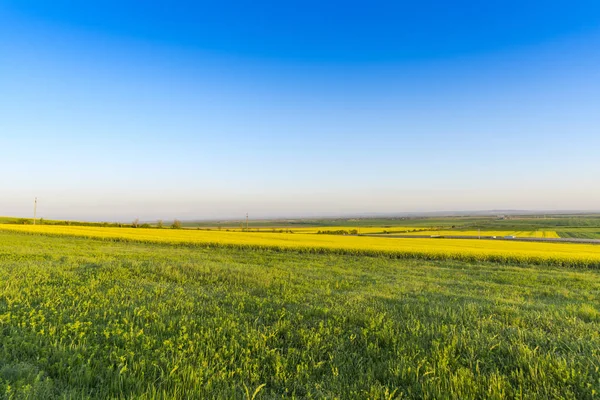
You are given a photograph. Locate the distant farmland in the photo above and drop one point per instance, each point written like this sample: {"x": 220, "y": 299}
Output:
{"x": 468, "y": 250}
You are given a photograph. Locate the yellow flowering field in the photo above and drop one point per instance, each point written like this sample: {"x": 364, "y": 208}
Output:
{"x": 567, "y": 254}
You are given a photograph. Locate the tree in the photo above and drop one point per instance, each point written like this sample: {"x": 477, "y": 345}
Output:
{"x": 176, "y": 224}
{"x": 135, "y": 223}
{"x": 159, "y": 223}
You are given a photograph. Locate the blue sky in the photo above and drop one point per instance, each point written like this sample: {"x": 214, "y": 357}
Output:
{"x": 123, "y": 109}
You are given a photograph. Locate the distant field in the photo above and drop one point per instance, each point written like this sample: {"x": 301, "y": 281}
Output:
{"x": 341, "y": 222}
{"x": 95, "y": 319}
{"x": 324, "y": 229}
{"x": 411, "y": 230}
{"x": 511, "y": 223}
{"x": 580, "y": 233}
{"x": 456, "y": 249}
{"x": 525, "y": 234}
{"x": 521, "y": 223}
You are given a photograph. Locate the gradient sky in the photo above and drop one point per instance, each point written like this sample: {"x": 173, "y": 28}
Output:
{"x": 114, "y": 110}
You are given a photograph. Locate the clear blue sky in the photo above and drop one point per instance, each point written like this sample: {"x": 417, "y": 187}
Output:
{"x": 113, "y": 110}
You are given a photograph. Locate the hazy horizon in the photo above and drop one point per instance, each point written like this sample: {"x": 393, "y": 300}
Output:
{"x": 115, "y": 111}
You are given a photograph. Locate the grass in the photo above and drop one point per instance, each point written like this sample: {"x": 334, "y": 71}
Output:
{"x": 85, "y": 318}
{"x": 580, "y": 233}
{"x": 571, "y": 255}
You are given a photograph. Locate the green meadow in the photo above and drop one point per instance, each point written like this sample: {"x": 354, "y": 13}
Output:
{"x": 84, "y": 318}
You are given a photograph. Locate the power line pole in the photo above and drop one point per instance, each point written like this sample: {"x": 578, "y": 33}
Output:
{"x": 34, "y": 210}
{"x": 247, "y": 230}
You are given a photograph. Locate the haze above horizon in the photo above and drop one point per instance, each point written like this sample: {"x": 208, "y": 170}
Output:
{"x": 198, "y": 110}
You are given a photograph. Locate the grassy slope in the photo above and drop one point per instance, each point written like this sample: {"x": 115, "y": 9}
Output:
{"x": 85, "y": 317}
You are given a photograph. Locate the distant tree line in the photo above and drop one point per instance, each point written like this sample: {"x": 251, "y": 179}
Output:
{"x": 339, "y": 232}
{"x": 135, "y": 224}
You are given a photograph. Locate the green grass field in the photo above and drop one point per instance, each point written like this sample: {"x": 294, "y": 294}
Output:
{"x": 86, "y": 318}
{"x": 580, "y": 233}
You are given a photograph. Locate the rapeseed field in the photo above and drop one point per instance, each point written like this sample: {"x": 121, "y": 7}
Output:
{"x": 563, "y": 254}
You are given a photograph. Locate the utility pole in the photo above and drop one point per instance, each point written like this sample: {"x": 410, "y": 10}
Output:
{"x": 34, "y": 210}
{"x": 247, "y": 230}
